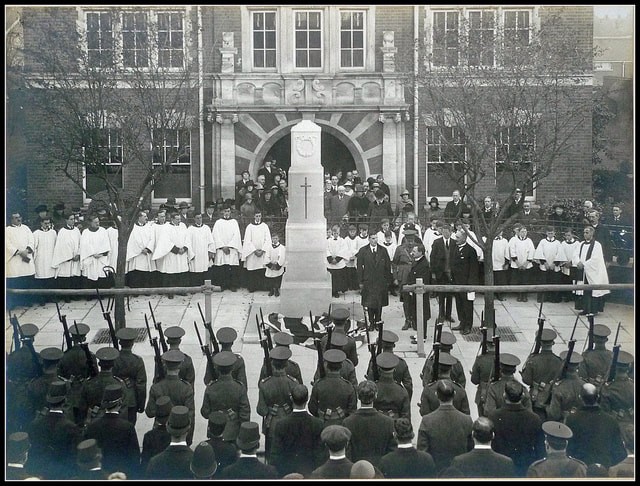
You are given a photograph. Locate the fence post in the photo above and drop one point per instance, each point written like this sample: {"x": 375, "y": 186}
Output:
{"x": 208, "y": 290}
{"x": 419, "y": 291}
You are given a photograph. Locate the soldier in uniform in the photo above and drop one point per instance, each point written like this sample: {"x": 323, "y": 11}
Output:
{"x": 23, "y": 365}
{"x": 333, "y": 397}
{"x": 274, "y": 395}
{"x": 565, "y": 393}
{"x": 93, "y": 388}
{"x": 116, "y": 436}
{"x": 540, "y": 370}
{"x": 429, "y": 399}
{"x": 447, "y": 340}
{"x": 179, "y": 391}
{"x": 392, "y": 399}
{"x": 617, "y": 396}
{"x": 226, "y": 337}
{"x": 557, "y": 464}
{"x": 226, "y": 395}
{"x": 481, "y": 373}
{"x": 130, "y": 368}
{"x": 54, "y": 438}
{"x": 340, "y": 318}
{"x": 348, "y": 370}
{"x": 292, "y": 368}
{"x": 401, "y": 373}
{"x": 495, "y": 392}
{"x": 173, "y": 336}
{"x": 37, "y": 387}
{"x": 157, "y": 439}
{"x": 596, "y": 362}
{"x": 73, "y": 367}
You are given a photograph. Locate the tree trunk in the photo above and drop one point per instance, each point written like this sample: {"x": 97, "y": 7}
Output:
{"x": 120, "y": 313}
{"x": 489, "y": 309}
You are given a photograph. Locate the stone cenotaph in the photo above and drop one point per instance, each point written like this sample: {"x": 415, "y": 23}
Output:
{"x": 306, "y": 284}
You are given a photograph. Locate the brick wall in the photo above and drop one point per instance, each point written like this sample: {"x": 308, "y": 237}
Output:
{"x": 225, "y": 19}
{"x": 400, "y": 21}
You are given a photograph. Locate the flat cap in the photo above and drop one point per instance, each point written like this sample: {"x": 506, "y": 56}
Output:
{"x": 601, "y": 331}
{"x": 226, "y": 335}
{"x": 576, "y": 358}
{"x": 57, "y": 392}
{"x": 179, "y": 421}
{"x": 88, "y": 451}
{"x": 224, "y": 358}
{"x": 389, "y": 337}
{"x": 107, "y": 354}
{"x": 548, "y": 335}
{"x": 173, "y": 356}
{"x": 387, "y": 361}
{"x": 218, "y": 418}
{"x": 203, "y": 462}
{"x": 557, "y": 430}
{"x": 624, "y": 358}
{"x": 280, "y": 353}
{"x": 335, "y": 436}
{"x": 447, "y": 338}
{"x": 111, "y": 395}
{"x": 174, "y": 332}
{"x": 51, "y": 354}
{"x": 163, "y": 406}
{"x": 17, "y": 445}
{"x": 79, "y": 329}
{"x": 447, "y": 360}
{"x": 338, "y": 339}
{"x": 339, "y": 314}
{"x": 507, "y": 359}
{"x": 334, "y": 356}
{"x": 126, "y": 334}
{"x": 29, "y": 330}
{"x": 283, "y": 339}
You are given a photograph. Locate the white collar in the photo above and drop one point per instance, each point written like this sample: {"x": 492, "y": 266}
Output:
{"x": 336, "y": 458}
{"x": 408, "y": 445}
{"x": 242, "y": 454}
{"x": 182, "y": 442}
{"x": 15, "y": 464}
{"x": 482, "y": 446}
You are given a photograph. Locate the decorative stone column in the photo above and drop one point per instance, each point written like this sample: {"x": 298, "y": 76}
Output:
{"x": 388, "y": 51}
{"x": 226, "y": 154}
{"x": 391, "y": 154}
{"x": 228, "y": 52}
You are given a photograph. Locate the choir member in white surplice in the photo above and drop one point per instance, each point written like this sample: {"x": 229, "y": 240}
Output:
{"x": 18, "y": 258}
{"x": 173, "y": 252}
{"x": 66, "y": 256}
{"x": 112, "y": 233}
{"x": 550, "y": 256}
{"x": 275, "y": 266}
{"x": 159, "y": 226}
{"x": 139, "y": 250}
{"x": 45, "y": 243}
{"x": 257, "y": 239}
{"x": 337, "y": 255}
{"x": 202, "y": 246}
{"x": 228, "y": 246}
{"x": 94, "y": 254}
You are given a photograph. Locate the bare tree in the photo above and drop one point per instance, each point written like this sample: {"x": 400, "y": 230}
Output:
{"x": 111, "y": 108}
{"x": 504, "y": 106}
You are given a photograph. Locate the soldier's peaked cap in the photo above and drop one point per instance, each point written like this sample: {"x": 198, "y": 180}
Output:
{"x": 447, "y": 360}
{"x": 389, "y": 337}
{"x": 280, "y": 353}
{"x": 387, "y": 361}
{"x": 51, "y": 354}
{"x": 601, "y": 331}
{"x": 576, "y": 358}
{"x": 173, "y": 356}
{"x": 29, "y": 330}
{"x": 126, "y": 334}
{"x": 624, "y": 358}
{"x": 174, "y": 332}
{"x": 507, "y": 359}
{"x": 557, "y": 430}
{"x": 339, "y": 314}
{"x": 79, "y": 329}
{"x": 338, "y": 339}
{"x": 334, "y": 356}
{"x": 224, "y": 358}
{"x": 282, "y": 339}
{"x": 447, "y": 338}
{"x": 107, "y": 354}
{"x": 226, "y": 335}
{"x": 548, "y": 335}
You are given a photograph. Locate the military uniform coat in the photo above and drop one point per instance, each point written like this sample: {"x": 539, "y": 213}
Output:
{"x": 565, "y": 396}
{"x": 401, "y": 375}
{"x": 481, "y": 373}
{"x": 238, "y": 371}
{"x": 22, "y": 367}
{"x": 118, "y": 440}
{"x": 274, "y": 398}
{"x": 407, "y": 462}
{"x": 130, "y": 368}
{"x": 347, "y": 371}
{"x": 617, "y": 399}
{"x": 92, "y": 391}
{"x": 595, "y": 365}
{"x": 297, "y": 446}
{"x": 457, "y": 372}
{"x": 350, "y": 349}
{"x": 229, "y": 396}
{"x": 371, "y": 435}
{"x": 332, "y": 399}
{"x": 374, "y": 272}
{"x": 393, "y": 399}
{"x": 37, "y": 391}
{"x": 544, "y": 367}
{"x": 249, "y": 468}
{"x": 557, "y": 465}
{"x": 292, "y": 369}
{"x": 484, "y": 463}
{"x": 180, "y": 392}
{"x": 172, "y": 463}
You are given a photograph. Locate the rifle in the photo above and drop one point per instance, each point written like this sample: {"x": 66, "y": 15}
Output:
{"x": 496, "y": 360}
{"x": 158, "y": 327}
{"x": 436, "y": 362}
{"x": 209, "y": 327}
{"x": 265, "y": 349}
{"x": 267, "y": 332}
{"x": 590, "y": 344}
{"x": 107, "y": 317}
{"x": 483, "y": 345}
{"x": 205, "y": 350}
{"x": 571, "y": 345}
{"x": 91, "y": 367}
{"x": 65, "y": 328}
{"x": 26, "y": 342}
{"x": 379, "y": 346}
{"x": 17, "y": 333}
{"x": 614, "y": 359}
{"x": 538, "y": 343}
{"x": 156, "y": 351}
{"x": 372, "y": 350}
{"x": 316, "y": 342}
{"x": 329, "y": 333}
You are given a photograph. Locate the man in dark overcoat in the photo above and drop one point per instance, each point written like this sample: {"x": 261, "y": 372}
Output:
{"x": 464, "y": 271}
{"x": 374, "y": 275}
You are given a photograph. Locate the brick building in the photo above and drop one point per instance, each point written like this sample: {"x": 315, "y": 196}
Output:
{"x": 262, "y": 69}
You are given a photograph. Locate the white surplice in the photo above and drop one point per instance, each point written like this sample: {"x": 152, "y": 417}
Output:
{"x": 45, "y": 243}
{"x": 141, "y": 237}
{"x": 94, "y": 243}
{"x": 201, "y": 240}
{"x": 18, "y": 238}
{"x": 226, "y": 232}
{"x": 256, "y": 237}
{"x": 67, "y": 247}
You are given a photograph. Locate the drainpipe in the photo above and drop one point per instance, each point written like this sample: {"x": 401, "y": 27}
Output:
{"x": 201, "y": 108}
{"x": 416, "y": 185}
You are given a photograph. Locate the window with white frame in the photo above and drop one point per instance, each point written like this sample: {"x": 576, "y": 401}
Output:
{"x": 264, "y": 39}
{"x": 446, "y": 38}
{"x": 482, "y": 34}
{"x": 514, "y": 147}
{"x": 517, "y": 33}
{"x": 170, "y": 39}
{"x": 172, "y": 148}
{"x": 308, "y": 39}
{"x": 135, "y": 48}
{"x": 352, "y": 38}
{"x": 445, "y": 151}
{"x": 103, "y": 155}
{"x": 100, "y": 39}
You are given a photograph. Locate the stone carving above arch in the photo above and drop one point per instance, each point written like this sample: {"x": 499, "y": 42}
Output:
{"x": 296, "y": 95}
{"x": 371, "y": 92}
{"x": 306, "y": 144}
{"x": 272, "y": 93}
{"x": 245, "y": 93}
{"x": 345, "y": 93}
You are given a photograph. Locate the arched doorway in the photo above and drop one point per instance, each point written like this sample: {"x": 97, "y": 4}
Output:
{"x": 335, "y": 156}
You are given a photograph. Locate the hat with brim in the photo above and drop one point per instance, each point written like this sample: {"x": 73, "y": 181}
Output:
{"x": 248, "y": 436}
{"x": 51, "y": 354}
{"x": 557, "y": 430}
{"x": 282, "y": 339}
{"x": 126, "y": 334}
{"x": 17, "y": 445}
{"x": 111, "y": 396}
{"x": 163, "y": 408}
{"x": 226, "y": 335}
{"x": 28, "y": 330}
{"x": 88, "y": 452}
{"x": 203, "y": 462}
{"x": 57, "y": 392}
{"x": 179, "y": 421}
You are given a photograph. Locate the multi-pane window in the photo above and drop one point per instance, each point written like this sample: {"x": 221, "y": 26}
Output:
{"x": 170, "y": 39}
{"x": 482, "y": 38}
{"x": 517, "y": 31}
{"x": 264, "y": 39}
{"x": 172, "y": 148}
{"x": 445, "y": 151}
{"x": 352, "y": 39}
{"x": 103, "y": 156}
{"x": 100, "y": 39}
{"x": 135, "y": 52}
{"x": 446, "y": 41}
{"x": 308, "y": 39}
{"x": 513, "y": 156}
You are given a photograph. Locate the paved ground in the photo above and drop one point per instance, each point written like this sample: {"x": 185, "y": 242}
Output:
{"x": 234, "y": 308}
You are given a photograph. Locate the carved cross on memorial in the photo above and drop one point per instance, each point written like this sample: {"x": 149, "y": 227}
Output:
{"x": 306, "y": 187}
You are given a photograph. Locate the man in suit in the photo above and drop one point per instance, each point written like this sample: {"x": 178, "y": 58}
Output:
{"x": 17, "y": 452}
{"x": 338, "y": 206}
{"x": 464, "y": 271}
{"x": 268, "y": 172}
{"x": 514, "y": 206}
{"x": 175, "y": 461}
{"x": 247, "y": 466}
{"x": 374, "y": 275}
{"x": 297, "y": 446}
{"x": 157, "y": 439}
{"x": 225, "y": 451}
{"x": 454, "y": 208}
{"x": 338, "y": 466}
{"x": 482, "y": 462}
{"x": 406, "y": 461}
{"x": 441, "y": 257}
{"x": 419, "y": 269}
